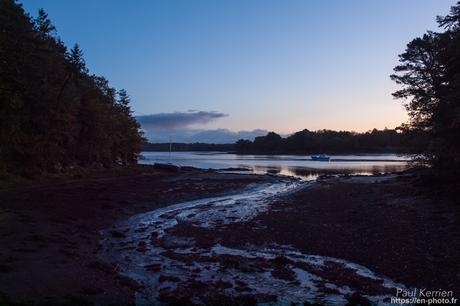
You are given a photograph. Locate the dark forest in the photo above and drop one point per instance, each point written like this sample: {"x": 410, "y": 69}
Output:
{"x": 55, "y": 115}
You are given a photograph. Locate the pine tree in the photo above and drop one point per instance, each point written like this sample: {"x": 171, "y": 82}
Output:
{"x": 53, "y": 114}
{"x": 429, "y": 73}
{"x": 76, "y": 59}
{"x": 43, "y": 25}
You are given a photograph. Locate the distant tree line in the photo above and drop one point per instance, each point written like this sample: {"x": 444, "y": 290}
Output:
{"x": 327, "y": 141}
{"x": 308, "y": 142}
{"x": 54, "y": 114}
{"x": 429, "y": 72}
{"x": 188, "y": 147}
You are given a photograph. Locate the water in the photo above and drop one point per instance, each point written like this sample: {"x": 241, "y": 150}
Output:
{"x": 293, "y": 165}
{"x": 169, "y": 262}
{"x": 170, "y": 265}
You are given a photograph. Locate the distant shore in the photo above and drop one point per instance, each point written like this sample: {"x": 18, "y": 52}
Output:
{"x": 51, "y": 231}
{"x": 228, "y": 149}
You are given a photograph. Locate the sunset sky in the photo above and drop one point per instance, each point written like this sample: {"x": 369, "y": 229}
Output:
{"x": 196, "y": 65}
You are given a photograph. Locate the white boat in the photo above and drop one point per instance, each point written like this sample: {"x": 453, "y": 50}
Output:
{"x": 321, "y": 157}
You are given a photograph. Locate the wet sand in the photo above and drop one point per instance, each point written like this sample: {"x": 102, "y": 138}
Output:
{"x": 335, "y": 240}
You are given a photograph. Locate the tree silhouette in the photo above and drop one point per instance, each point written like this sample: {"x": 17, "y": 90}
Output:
{"x": 43, "y": 25}
{"x": 76, "y": 59}
{"x": 54, "y": 115}
{"x": 327, "y": 141}
{"x": 429, "y": 73}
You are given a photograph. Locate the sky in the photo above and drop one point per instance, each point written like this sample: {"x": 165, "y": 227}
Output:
{"x": 195, "y": 67}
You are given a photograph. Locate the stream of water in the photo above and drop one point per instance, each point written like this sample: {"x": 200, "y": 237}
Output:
{"x": 171, "y": 264}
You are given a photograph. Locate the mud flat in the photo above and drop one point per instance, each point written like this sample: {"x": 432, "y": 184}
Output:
{"x": 334, "y": 241}
{"x": 203, "y": 237}
{"x": 50, "y": 231}
{"x": 177, "y": 255}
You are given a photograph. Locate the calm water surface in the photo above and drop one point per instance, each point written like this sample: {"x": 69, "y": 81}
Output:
{"x": 294, "y": 165}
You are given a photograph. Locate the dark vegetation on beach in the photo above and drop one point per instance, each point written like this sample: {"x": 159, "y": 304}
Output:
{"x": 54, "y": 114}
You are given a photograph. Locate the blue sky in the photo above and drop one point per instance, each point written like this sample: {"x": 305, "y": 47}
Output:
{"x": 271, "y": 65}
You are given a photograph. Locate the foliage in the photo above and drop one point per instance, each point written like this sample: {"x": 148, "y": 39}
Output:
{"x": 307, "y": 142}
{"x": 327, "y": 141}
{"x": 429, "y": 72}
{"x": 53, "y": 113}
{"x": 187, "y": 147}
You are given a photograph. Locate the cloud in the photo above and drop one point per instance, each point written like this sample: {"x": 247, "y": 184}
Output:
{"x": 179, "y": 127}
{"x": 206, "y": 136}
{"x": 177, "y": 120}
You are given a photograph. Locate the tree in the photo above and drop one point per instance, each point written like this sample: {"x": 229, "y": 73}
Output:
{"x": 327, "y": 141}
{"x": 269, "y": 143}
{"x": 76, "y": 60}
{"x": 243, "y": 146}
{"x": 429, "y": 73}
{"x": 43, "y": 25}
{"x": 123, "y": 102}
{"x": 53, "y": 113}
{"x": 128, "y": 129}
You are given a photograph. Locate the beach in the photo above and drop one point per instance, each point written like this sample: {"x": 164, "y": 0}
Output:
{"x": 50, "y": 231}
{"x": 337, "y": 239}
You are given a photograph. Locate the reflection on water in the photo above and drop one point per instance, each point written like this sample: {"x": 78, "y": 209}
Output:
{"x": 312, "y": 173}
{"x": 294, "y": 165}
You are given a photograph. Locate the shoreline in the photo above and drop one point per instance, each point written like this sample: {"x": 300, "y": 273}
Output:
{"x": 52, "y": 231}
{"x": 285, "y": 152}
